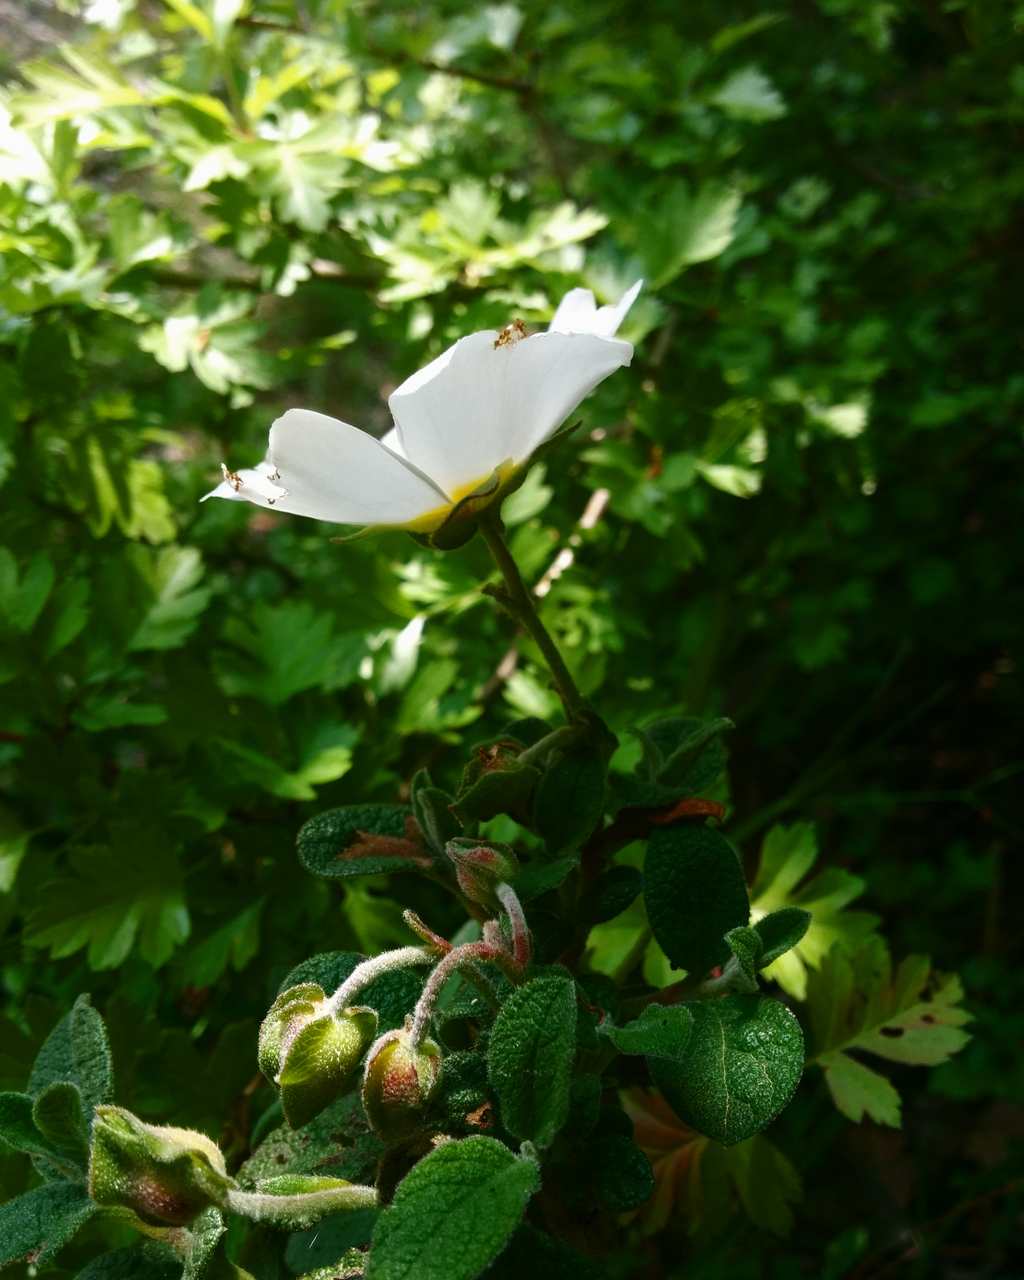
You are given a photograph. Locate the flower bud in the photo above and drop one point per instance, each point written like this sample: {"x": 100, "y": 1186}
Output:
{"x": 311, "y": 1052}
{"x": 479, "y": 868}
{"x": 167, "y": 1176}
{"x": 400, "y": 1080}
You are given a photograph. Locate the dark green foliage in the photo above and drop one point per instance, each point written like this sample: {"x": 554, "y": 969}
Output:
{"x": 660, "y": 1032}
{"x": 530, "y": 1056}
{"x": 360, "y": 840}
{"x": 695, "y": 893}
{"x": 797, "y": 511}
{"x": 37, "y": 1225}
{"x": 742, "y": 1063}
{"x": 454, "y": 1213}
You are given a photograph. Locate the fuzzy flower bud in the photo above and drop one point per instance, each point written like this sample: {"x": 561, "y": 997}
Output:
{"x": 480, "y": 868}
{"x": 399, "y": 1081}
{"x": 311, "y": 1052}
{"x": 165, "y": 1175}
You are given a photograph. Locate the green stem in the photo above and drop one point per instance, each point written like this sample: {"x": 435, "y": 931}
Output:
{"x": 520, "y": 603}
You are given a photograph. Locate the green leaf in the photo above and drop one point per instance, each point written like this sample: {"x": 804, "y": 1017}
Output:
{"x": 685, "y": 227}
{"x": 766, "y": 1182}
{"x": 41, "y": 1222}
{"x": 570, "y": 797}
{"x": 787, "y": 855}
{"x": 748, "y": 94}
{"x": 780, "y": 932}
{"x": 695, "y": 893}
{"x": 172, "y": 575}
{"x": 59, "y": 1116}
{"x": 618, "y": 1171}
{"x": 858, "y": 1003}
{"x": 530, "y": 1057}
{"x": 117, "y": 897}
{"x": 138, "y": 1262}
{"x": 22, "y": 602}
{"x": 279, "y": 650}
{"x": 77, "y": 1051}
{"x": 741, "y": 1067}
{"x": 453, "y": 1214}
{"x": 18, "y": 1130}
{"x": 614, "y": 891}
{"x": 432, "y": 810}
{"x": 361, "y": 840}
{"x": 661, "y": 1031}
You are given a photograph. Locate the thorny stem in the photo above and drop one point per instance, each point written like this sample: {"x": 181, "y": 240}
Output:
{"x": 460, "y": 957}
{"x": 363, "y": 974}
{"x": 518, "y": 601}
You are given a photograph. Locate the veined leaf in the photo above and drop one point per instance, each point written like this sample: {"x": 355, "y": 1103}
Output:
{"x": 453, "y": 1214}
{"x": 787, "y": 856}
{"x": 857, "y": 1003}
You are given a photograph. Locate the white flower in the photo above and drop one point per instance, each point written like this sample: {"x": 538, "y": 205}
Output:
{"x": 467, "y": 422}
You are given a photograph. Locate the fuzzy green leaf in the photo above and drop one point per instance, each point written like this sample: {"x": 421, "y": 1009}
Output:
{"x": 76, "y": 1051}
{"x": 453, "y": 1214}
{"x": 695, "y": 893}
{"x": 39, "y": 1224}
{"x": 780, "y": 932}
{"x": 360, "y": 840}
{"x": 530, "y": 1056}
{"x": 570, "y": 797}
{"x": 741, "y": 1067}
{"x": 661, "y": 1031}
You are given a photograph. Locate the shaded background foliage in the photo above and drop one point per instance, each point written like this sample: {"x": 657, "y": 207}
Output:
{"x": 800, "y": 509}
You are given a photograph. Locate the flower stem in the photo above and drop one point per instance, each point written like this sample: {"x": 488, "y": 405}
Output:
{"x": 363, "y": 974}
{"x": 520, "y": 603}
{"x": 460, "y": 957}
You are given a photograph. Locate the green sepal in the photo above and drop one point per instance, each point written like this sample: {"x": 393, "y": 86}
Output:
{"x": 741, "y": 1066}
{"x": 167, "y": 1176}
{"x": 399, "y": 1082}
{"x": 480, "y": 866}
{"x": 695, "y": 893}
{"x": 291, "y": 1010}
{"x": 322, "y": 1062}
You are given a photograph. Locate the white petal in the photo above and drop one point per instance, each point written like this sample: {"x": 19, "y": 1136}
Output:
{"x": 578, "y": 312}
{"x": 478, "y": 406}
{"x": 328, "y": 470}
